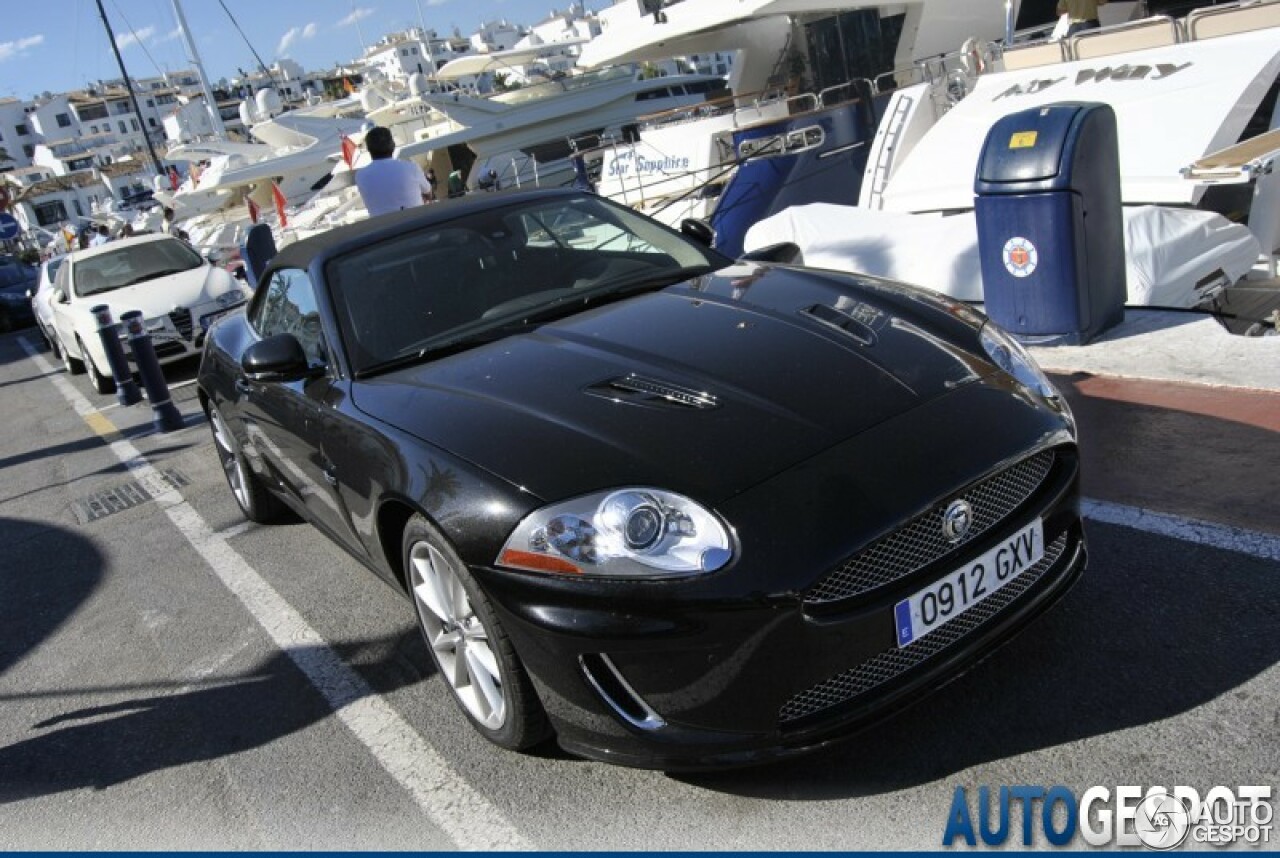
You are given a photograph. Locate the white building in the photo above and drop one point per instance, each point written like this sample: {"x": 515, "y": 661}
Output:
{"x": 571, "y": 25}
{"x": 17, "y": 139}
{"x": 399, "y": 56}
{"x": 45, "y": 200}
{"x": 497, "y": 36}
{"x": 291, "y": 82}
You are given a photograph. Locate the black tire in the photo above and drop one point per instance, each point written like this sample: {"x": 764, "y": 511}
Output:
{"x": 103, "y": 384}
{"x": 480, "y": 661}
{"x": 6, "y": 324}
{"x": 254, "y": 499}
{"x": 70, "y": 364}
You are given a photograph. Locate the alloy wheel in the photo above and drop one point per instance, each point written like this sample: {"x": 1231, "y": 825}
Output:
{"x": 456, "y": 635}
{"x": 232, "y": 465}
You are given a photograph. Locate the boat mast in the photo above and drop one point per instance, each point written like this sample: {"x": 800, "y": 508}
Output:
{"x": 128, "y": 85}
{"x": 215, "y": 118}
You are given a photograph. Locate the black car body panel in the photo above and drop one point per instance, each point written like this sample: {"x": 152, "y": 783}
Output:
{"x": 815, "y": 415}
{"x": 752, "y": 360}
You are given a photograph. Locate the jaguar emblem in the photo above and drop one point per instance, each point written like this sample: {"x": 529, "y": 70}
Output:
{"x": 956, "y": 520}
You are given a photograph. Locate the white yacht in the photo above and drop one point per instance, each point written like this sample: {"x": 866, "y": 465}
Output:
{"x": 526, "y": 135}
{"x": 1195, "y": 101}
{"x": 809, "y": 86}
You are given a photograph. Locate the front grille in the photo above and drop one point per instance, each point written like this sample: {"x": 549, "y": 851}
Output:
{"x": 181, "y": 319}
{"x": 168, "y": 348}
{"x": 921, "y": 541}
{"x": 893, "y": 662}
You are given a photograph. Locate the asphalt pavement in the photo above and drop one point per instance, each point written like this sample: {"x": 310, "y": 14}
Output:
{"x": 174, "y": 678}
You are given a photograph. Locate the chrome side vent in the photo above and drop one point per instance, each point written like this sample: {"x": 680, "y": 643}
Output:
{"x": 603, "y": 675}
{"x": 639, "y": 390}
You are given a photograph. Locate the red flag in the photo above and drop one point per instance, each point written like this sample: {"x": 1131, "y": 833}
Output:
{"x": 348, "y": 150}
{"x": 253, "y": 209}
{"x": 278, "y": 196}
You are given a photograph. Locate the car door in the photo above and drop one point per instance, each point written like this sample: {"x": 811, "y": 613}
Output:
{"x": 63, "y": 321}
{"x": 284, "y": 421}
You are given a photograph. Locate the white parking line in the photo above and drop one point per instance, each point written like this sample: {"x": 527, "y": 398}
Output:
{"x": 1261, "y": 545}
{"x": 463, "y": 814}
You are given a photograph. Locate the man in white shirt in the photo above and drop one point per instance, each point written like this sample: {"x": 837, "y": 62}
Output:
{"x": 102, "y": 237}
{"x": 388, "y": 184}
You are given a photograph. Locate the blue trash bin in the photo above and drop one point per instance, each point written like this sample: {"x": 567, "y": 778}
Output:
{"x": 1050, "y": 226}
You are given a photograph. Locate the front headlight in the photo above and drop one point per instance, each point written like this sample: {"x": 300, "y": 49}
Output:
{"x": 231, "y": 298}
{"x": 1008, "y": 354}
{"x": 629, "y": 533}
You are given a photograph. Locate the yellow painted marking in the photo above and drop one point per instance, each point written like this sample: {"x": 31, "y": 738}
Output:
{"x": 102, "y": 426}
{"x": 1023, "y": 140}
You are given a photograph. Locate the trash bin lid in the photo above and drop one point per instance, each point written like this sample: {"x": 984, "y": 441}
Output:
{"x": 1027, "y": 146}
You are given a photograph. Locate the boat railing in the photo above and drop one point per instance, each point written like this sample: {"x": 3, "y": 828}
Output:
{"x": 850, "y": 90}
{"x": 730, "y": 104}
{"x": 951, "y": 76}
{"x": 897, "y": 78}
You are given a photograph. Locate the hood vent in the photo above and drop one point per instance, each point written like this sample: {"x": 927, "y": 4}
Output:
{"x": 639, "y": 390}
{"x": 858, "y": 320}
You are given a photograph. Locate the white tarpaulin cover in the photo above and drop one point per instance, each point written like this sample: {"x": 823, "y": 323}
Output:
{"x": 1168, "y": 250}
{"x": 1173, "y": 106}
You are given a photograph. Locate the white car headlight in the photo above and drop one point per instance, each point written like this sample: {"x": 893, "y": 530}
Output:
{"x": 1008, "y": 354}
{"x": 231, "y": 298}
{"x": 630, "y": 533}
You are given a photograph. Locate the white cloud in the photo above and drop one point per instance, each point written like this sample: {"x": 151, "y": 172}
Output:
{"x": 175, "y": 33}
{"x": 436, "y": 2}
{"x": 128, "y": 39}
{"x": 9, "y": 50}
{"x": 356, "y": 15}
{"x": 295, "y": 33}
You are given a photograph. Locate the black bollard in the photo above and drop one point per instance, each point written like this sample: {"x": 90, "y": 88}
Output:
{"x": 166, "y": 415}
{"x": 127, "y": 392}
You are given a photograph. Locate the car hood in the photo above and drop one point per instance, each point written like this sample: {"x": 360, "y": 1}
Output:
{"x": 156, "y": 297}
{"x": 704, "y": 388}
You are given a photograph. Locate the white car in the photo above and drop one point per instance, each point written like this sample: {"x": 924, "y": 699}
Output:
{"x": 177, "y": 290}
{"x": 42, "y": 301}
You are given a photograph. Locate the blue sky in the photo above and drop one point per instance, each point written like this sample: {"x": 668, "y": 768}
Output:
{"x": 58, "y": 45}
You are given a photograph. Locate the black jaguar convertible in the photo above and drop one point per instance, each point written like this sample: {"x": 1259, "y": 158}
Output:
{"x": 674, "y": 510}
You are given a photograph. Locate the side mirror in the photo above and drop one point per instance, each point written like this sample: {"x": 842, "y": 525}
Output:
{"x": 698, "y": 230}
{"x": 785, "y": 252}
{"x": 59, "y": 296}
{"x": 278, "y": 358}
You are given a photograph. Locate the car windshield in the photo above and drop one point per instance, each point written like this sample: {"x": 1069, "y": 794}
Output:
{"x": 490, "y": 274}
{"x": 130, "y": 263}
{"x": 15, "y": 273}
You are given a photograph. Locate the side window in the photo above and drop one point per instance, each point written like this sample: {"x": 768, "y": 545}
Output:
{"x": 61, "y": 280}
{"x": 289, "y": 307}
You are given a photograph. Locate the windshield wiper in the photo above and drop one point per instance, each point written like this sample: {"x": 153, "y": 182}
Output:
{"x": 164, "y": 272}
{"x": 441, "y": 349}
{"x": 558, "y": 308}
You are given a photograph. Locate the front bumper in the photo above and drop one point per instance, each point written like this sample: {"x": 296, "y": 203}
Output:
{"x": 731, "y": 669}
{"x": 180, "y": 333}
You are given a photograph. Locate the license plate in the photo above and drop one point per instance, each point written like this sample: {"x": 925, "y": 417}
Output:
{"x": 956, "y": 592}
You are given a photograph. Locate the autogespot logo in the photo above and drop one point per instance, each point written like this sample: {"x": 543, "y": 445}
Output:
{"x": 1156, "y": 817}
